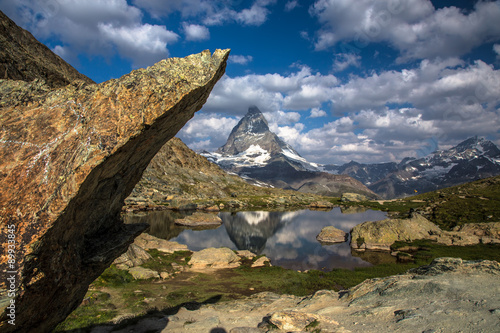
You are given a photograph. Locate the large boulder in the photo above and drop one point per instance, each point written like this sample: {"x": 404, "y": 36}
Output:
{"x": 134, "y": 256}
{"x": 214, "y": 258}
{"x": 70, "y": 156}
{"x": 380, "y": 235}
{"x": 330, "y": 234}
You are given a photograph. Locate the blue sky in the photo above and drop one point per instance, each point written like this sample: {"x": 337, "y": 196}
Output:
{"x": 340, "y": 80}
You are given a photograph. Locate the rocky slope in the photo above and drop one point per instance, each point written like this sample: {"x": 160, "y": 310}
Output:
{"x": 449, "y": 295}
{"x": 178, "y": 177}
{"x": 22, "y": 57}
{"x": 472, "y": 159}
{"x": 259, "y": 155}
{"x": 70, "y": 156}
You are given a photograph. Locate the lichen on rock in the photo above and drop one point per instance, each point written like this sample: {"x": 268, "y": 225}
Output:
{"x": 70, "y": 156}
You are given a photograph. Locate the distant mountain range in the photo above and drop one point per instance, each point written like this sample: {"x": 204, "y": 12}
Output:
{"x": 258, "y": 155}
{"x": 472, "y": 159}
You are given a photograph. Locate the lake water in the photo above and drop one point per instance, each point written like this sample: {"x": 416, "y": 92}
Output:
{"x": 287, "y": 238}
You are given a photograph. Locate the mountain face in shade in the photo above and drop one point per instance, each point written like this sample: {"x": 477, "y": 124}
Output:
{"x": 252, "y": 144}
{"x": 260, "y": 156}
{"x": 472, "y": 159}
{"x": 253, "y": 130}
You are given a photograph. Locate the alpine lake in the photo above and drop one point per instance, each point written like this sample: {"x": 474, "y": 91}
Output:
{"x": 287, "y": 238}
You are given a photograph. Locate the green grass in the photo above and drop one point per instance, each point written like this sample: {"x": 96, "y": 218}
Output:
{"x": 97, "y": 310}
{"x": 113, "y": 277}
{"x": 163, "y": 261}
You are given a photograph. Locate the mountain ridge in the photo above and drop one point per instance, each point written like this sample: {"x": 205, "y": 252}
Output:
{"x": 257, "y": 154}
{"x": 472, "y": 159}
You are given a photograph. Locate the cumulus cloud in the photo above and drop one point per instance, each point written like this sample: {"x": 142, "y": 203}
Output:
{"x": 240, "y": 59}
{"x": 381, "y": 117}
{"x": 209, "y": 12}
{"x": 270, "y": 92}
{"x": 290, "y": 5}
{"x": 95, "y": 28}
{"x": 316, "y": 113}
{"x": 413, "y": 27}
{"x": 207, "y": 131}
{"x": 344, "y": 60}
{"x": 195, "y": 32}
{"x": 145, "y": 44}
{"x": 496, "y": 49}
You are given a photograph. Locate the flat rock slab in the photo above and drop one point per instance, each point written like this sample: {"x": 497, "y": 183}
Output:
{"x": 148, "y": 242}
{"x": 330, "y": 235}
{"x": 141, "y": 273}
{"x": 214, "y": 258}
{"x": 199, "y": 219}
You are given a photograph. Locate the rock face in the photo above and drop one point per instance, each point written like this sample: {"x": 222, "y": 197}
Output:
{"x": 380, "y": 235}
{"x": 70, "y": 156}
{"x": 331, "y": 234}
{"x": 135, "y": 256}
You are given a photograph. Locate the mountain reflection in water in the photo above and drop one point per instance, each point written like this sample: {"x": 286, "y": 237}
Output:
{"x": 287, "y": 238}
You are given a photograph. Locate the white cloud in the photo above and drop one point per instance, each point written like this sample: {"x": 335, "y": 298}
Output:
{"x": 291, "y": 5}
{"x": 96, "y": 28}
{"x": 207, "y": 131}
{"x": 317, "y": 113}
{"x": 195, "y": 32}
{"x": 345, "y": 60}
{"x": 240, "y": 59}
{"x": 414, "y": 27}
{"x": 209, "y": 12}
{"x": 281, "y": 117}
{"x": 496, "y": 48}
{"x": 300, "y": 90}
{"x": 382, "y": 117}
{"x": 145, "y": 44}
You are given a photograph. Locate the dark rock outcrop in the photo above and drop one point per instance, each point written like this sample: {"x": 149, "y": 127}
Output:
{"x": 70, "y": 157}
{"x": 22, "y": 57}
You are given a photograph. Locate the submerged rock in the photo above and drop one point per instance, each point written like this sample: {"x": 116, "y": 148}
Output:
{"x": 70, "y": 156}
{"x": 198, "y": 219}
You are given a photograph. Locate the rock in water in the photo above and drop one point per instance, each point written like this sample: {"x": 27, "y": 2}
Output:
{"x": 331, "y": 235}
{"x": 70, "y": 156}
{"x": 380, "y": 235}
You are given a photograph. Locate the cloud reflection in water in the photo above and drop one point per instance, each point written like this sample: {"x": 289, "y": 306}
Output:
{"x": 287, "y": 238}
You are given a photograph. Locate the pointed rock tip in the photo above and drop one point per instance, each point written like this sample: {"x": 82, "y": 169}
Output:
{"x": 253, "y": 110}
